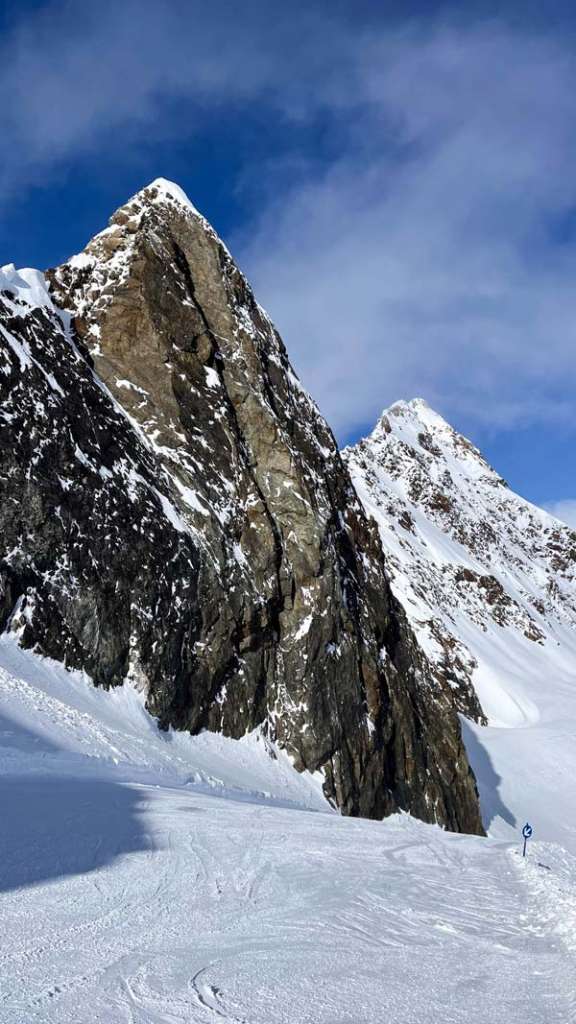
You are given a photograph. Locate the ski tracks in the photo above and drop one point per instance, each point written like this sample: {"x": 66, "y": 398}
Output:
{"x": 549, "y": 874}
{"x": 239, "y": 914}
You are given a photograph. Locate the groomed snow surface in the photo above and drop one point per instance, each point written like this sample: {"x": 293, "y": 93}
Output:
{"x": 149, "y": 877}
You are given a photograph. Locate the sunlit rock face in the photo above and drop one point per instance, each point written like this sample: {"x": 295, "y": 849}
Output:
{"x": 175, "y": 512}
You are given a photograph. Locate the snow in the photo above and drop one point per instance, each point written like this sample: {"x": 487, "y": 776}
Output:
{"x": 190, "y": 497}
{"x": 152, "y": 877}
{"x": 212, "y": 378}
{"x": 239, "y": 555}
{"x": 81, "y": 261}
{"x": 157, "y": 878}
{"x": 21, "y": 350}
{"x": 171, "y": 514}
{"x": 28, "y": 286}
{"x": 303, "y": 628}
{"x": 170, "y": 190}
{"x": 68, "y": 714}
{"x": 526, "y": 766}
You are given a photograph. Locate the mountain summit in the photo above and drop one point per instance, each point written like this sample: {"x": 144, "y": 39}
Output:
{"x": 175, "y": 513}
{"x": 471, "y": 561}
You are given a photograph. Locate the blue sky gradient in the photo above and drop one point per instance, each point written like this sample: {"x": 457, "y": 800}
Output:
{"x": 397, "y": 181}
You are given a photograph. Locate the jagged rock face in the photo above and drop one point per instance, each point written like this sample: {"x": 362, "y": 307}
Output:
{"x": 469, "y": 560}
{"x": 176, "y": 513}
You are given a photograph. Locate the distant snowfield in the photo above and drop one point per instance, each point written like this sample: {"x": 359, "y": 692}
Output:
{"x": 154, "y": 878}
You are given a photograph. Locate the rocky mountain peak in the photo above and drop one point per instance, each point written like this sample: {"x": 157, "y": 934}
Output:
{"x": 473, "y": 564}
{"x": 422, "y": 434}
{"x": 161, "y": 190}
{"x": 191, "y": 527}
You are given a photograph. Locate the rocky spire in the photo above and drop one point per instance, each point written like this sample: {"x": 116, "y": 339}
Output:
{"x": 195, "y": 529}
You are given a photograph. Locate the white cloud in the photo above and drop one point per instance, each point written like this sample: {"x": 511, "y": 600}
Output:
{"x": 424, "y": 257}
{"x": 422, "y": 261}
{"x": 564, "y": 510}
{"x": 73, "y": 74}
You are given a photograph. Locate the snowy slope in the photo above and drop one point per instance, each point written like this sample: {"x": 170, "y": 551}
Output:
{"x": 79, "y": 727}
{"x": 153, "y": 879}
{"x": 488, "y": 582}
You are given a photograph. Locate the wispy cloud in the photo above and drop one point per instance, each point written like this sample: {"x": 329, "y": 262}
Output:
{"x": 427, "y": 259}
{"x": 74, "y": 72}
{"x": 71, "y": 73}
{"x": 427, "y": 255}
{"x": 564, "y": 510}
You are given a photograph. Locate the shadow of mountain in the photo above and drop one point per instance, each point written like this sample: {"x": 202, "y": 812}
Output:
{"x": 15, "y": 736}
{"x": 491, "y": 803}
{"x": 53, "y": 826}
{"x": 54, "y": 823}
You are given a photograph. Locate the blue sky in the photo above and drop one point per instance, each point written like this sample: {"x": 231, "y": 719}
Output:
{"x": 397, "y": 180}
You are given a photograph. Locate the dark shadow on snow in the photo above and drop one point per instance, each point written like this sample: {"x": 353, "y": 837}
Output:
{"x": 14, "y": 736}
{"x": 488, "y": 780}
{"x": 54, "y": 825}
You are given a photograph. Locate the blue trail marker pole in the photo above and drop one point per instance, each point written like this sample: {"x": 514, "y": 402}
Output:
{"x": 527, "y": 833}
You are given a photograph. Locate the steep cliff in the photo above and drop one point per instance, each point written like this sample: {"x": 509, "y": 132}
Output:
{"x": 175, "y": 512}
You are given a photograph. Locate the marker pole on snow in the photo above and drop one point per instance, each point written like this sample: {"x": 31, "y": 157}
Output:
{"x": 527, "y": 834}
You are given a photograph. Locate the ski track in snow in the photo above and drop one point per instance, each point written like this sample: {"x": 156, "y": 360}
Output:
{"x": 132, "y": 894}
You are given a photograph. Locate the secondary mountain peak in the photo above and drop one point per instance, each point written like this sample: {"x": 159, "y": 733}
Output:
{"x": 410, "y": 406}
{"x": 414, "y": 435}
{"x": 473, "y": 564}
{"x": 417, "y": 410}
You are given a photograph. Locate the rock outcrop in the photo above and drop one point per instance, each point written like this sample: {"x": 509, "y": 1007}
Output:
{"x": 175, "y": 512}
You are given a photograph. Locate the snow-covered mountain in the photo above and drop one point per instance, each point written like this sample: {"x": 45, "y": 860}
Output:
{"x": 488, "y": 582}
{"x": 178, "y": 527}
{"x": 175, "y": 513}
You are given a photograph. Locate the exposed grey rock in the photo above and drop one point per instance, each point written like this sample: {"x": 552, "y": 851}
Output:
{"x": 175, "y": 511}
